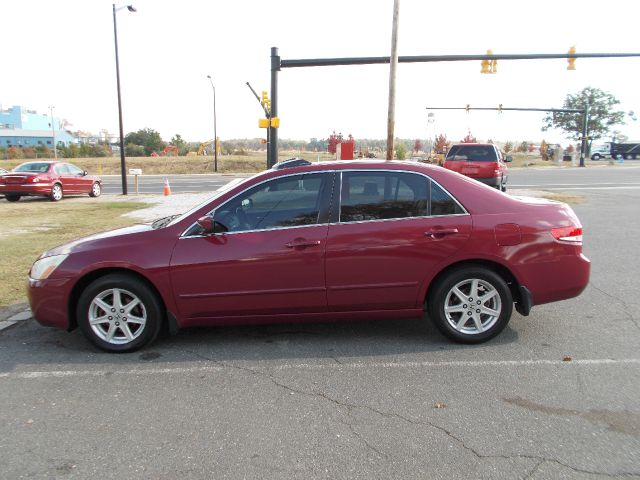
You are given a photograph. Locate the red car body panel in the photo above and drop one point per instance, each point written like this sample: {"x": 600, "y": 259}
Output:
{"x": 361, "y": 270}
{"x": 40, "y": 183}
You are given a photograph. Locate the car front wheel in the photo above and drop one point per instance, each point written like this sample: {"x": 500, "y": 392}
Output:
{"x": 12, "y": 198}
{"x": 119, "y": 313}
{"x": 471, "y": 304}
{"x": 56, "y": 193}
{"x": 96, "y": 190}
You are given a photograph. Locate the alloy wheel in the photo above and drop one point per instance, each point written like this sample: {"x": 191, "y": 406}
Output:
{"x": 117, "y": 316}
{"x": 472, "y": 306}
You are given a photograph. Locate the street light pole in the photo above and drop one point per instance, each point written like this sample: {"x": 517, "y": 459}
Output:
{"x": 123, "y": 164}
{"x": 53, "y": 131}
{"x": 215, "y": 131}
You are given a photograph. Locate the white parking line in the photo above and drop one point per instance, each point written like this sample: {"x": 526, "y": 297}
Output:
{"x": 320, "y": 366}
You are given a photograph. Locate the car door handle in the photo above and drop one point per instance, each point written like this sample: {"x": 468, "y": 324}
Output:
{"x": 302, "y": 243}
{"x": 440, "y": 232}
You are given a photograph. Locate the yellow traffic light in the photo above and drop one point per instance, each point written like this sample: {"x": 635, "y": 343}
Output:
{"x": 265, "y": 97}
{"x": 571, "y": 61}
{"x": 484, "y": 66}
{"x": 275, "y": 122}
{"x": 263, "y": 123}
{"x": 489, "y": 66}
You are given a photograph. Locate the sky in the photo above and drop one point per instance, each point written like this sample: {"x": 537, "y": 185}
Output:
{"x": 62, "y": 54}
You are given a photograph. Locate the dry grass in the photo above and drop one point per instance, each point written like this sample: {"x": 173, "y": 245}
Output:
{"x": 563, "y": 197}
{"x": 29, "y": 228}
{"x": 252, "y": 163}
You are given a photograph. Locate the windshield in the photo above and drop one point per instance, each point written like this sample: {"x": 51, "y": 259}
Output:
{"x": 472, "y": 153}
{"x": 218, "y": 193}
{"x": 38, "y": 167}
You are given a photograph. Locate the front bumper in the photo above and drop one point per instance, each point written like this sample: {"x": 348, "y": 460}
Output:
{"x": 49, "y": 301}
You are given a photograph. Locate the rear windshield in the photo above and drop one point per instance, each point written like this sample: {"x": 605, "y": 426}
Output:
{"x": 33, "y": 167}
{"x": 472, "y": 153}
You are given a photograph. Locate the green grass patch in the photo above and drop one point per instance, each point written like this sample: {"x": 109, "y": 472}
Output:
{"x": 29, "y": 228}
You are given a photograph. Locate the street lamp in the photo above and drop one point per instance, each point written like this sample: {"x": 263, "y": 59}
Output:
{"x": 53, "y": 131}
{"x": 215, "y": 133}
{"x": 123, "y": 165}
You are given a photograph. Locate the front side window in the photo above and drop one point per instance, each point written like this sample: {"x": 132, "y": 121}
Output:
{"x": 73, "y": 170}
{"x": 61, "y": 169}
{"x": 291, "y": 201}
{"x": 369, "y": 196}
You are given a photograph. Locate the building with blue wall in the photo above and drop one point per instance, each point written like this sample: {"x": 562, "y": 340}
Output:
{"x": 20, "y": 127}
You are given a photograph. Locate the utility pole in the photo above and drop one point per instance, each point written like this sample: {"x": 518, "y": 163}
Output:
{"x": 272, "y": 147}
{"x": 53, "y": 132}
{"x": 391, "y": 117}
{"x": 585, "y": 126}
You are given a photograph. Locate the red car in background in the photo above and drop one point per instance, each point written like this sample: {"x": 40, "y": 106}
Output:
{"x": 483, "y": 162}
{"x": 344, "y": 240}
{"x": 48, "y": 179}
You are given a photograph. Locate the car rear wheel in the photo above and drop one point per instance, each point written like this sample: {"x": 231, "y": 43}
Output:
{"x": 96, "y": 190}
{"x": 119, "y": 313}
{"x": 595, "y": 156}
{"x": 56, "y": 193}
{"x": 470, "y": 304}
{"x": 12, "y": 198}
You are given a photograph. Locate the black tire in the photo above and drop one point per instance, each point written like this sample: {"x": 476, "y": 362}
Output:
{"x": 442, "y": 292}
{"x": 12, "y": 198}
{"x": 96, "y": 190}
{"x": 56, "y": 193}
{"x": 129, "y": 288}
{"x": 503, "y": 187}
{"x": 595, "y": 156}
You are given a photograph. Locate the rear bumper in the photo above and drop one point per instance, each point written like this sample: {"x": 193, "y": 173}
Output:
{"x": 26, "y": 189}
{"x": 565, "y": 277}
{"x": 48, "y": 300}
{"x": 491, "y": 181}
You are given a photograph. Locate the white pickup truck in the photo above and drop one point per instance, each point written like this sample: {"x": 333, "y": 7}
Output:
{"x": 600, "y": 151}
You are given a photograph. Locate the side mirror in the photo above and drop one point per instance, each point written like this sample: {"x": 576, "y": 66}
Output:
{"x": 206, "y": 224}
{"x": 508, "y": 158}
{"x": 85, "y": 173}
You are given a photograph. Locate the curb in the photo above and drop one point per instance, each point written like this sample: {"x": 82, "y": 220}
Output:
{"x": 15, "y": 318}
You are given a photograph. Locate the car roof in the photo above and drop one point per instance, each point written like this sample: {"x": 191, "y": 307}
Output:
{"x": 355, "y": 165}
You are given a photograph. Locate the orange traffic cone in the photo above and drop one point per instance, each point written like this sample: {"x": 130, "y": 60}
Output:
{"x": 167, "y": 188}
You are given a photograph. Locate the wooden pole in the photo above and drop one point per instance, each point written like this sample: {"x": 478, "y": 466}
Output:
{"x": 391, "y": 118}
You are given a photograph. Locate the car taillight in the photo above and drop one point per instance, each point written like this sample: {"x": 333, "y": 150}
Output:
{"x": 568, "y": 234}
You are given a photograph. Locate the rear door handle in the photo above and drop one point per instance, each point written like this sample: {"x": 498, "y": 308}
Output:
{"x": 440, "y": 232}
{"x": 302, "y": 243}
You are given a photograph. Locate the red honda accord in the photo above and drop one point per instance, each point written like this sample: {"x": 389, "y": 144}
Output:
{"x": 48, "y": 179}
{"x": 328, "y": 241}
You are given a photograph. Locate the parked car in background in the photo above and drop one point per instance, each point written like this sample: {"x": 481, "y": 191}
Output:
{"x": 2, "y": 171}
{"x": 600, "y": 151}
{"x": 483, "y": 162}
{"x": 48, "y": 179}
{"x": 352, "y": 240}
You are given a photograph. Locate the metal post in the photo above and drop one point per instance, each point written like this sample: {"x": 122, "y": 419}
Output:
{"x": 585, "y": 127}
{"x": 53, "y": 131}
{"x": 272, "y": 150}
{"x": 391, "y": 117}
{"x": 123, "y": 165}
{"x": 215, "y": 131}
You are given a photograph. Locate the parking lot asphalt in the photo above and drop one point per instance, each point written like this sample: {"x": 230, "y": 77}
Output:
{"x": 556, "y": 395}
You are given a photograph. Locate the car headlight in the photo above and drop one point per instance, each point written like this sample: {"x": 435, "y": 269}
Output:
{"x": 44, "y": 267}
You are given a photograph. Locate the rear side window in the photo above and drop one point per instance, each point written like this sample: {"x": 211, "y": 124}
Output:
{"x": 369, "y": 196}
{"x": 472, "y": 153}
{"x": 442, "y": 203}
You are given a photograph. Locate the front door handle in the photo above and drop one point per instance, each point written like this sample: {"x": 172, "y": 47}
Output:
{"x": 302, "y": 243}
{"x": 440, "y": 232}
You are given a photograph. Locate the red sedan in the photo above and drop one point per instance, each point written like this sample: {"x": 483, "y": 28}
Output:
{"x": 483, "y": 162}
{"x": 48, "y": 179}
{"x": 339, "y": 240}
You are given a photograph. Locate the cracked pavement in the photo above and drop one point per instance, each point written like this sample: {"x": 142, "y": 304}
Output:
{"x": 388, "y": 400}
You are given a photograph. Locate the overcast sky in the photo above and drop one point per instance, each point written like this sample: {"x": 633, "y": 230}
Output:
{"x": 61, "y": 53}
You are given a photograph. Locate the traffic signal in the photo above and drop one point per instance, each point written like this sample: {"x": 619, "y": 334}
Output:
{"x": 467, "y": 108}
{"x": 266, "y": 103}
{"x": 489, "y": 66}
{"x": 571, "y": 61}
{"x": 500, "y": 108}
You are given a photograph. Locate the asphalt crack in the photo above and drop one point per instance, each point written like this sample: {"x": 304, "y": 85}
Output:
{"x": 627, "y": 308}
{"x": 350, "y": 406}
